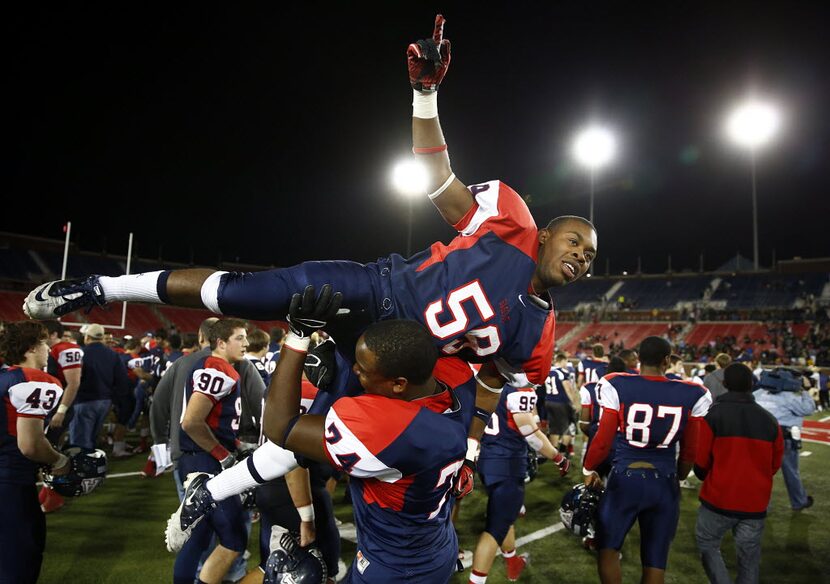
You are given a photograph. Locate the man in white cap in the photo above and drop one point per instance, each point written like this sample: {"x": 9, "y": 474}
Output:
{"x": 103, "y": 377}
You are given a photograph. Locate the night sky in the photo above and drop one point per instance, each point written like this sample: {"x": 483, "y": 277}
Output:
{"x": 266, "y": 135}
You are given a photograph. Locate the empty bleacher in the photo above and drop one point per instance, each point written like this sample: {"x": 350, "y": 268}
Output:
{"x": 584, "y": 290}
{"x": 768, "y": 290}
{"x": 662, "y": 292}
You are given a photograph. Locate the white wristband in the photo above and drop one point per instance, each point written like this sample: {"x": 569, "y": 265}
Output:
{"x": 424, "y": 105}
{"x": 472, "y": 449}
{"x": 299, "y": 344}
{"x": 63, "y": 408}
{"x": 306, "y": 512}
{"x": 587, "y": 472}
{"x": 487, "y": 387}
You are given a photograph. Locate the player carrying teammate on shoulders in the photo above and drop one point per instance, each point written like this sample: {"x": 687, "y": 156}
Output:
{"x": 395, "y": 441}
{"x": 483, "y": 297}
{"x": 647, "y": 414}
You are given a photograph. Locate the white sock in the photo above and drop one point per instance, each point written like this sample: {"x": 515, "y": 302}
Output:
{"x": 509, "y": 554}
{"x": 135, "y": 287}
{"x": 269, "y": 462}
{"x": 477, "y": 577}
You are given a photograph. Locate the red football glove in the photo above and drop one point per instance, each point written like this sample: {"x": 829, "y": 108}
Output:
{"x": 429, "y": 59}
{"x": 563, "y": 463}
{"x": 464, "y": 480}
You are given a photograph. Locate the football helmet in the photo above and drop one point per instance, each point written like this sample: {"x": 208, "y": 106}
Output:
{"x": 579, "y": 510}
{"x": 87, "y": 471}
{"x": 291, "y": 564}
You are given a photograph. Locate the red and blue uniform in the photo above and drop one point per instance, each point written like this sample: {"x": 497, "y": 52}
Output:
{"x": 24, "y": 393}
{"x": 401, "y": 473}
{"x": 459, "y": 291}
{"x": 593, "y": 369}
{"x": 555, "y": 385}
{"x": 217, "y": 380}
{"x": 502, "y": 463}
{"x": 64, "y": 356}
{"x": 647, "y": 416}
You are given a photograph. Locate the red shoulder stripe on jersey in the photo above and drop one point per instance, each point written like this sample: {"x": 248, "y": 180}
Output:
{"x": 519, "y": 230}
{"x": 452, "y": 371}
{"x": 308, "y": 390}
{"x": 375, "y": 420}
{"x": 437, "y": 403}
{"x": 220, "y": 364}
{"x": 537, "y": 367}
{"x": 386, "y": 495}
{"x": 30, "y": 374}
{"x": 465, "y": 220}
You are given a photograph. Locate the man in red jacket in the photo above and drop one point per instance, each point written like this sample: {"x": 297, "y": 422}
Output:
{"x": 740, "y": 447}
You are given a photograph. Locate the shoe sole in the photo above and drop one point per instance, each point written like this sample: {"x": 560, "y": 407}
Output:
{"x": 174, "y": 536}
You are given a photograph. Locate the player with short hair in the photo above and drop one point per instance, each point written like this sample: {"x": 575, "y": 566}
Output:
{"x": 502, "y": 466}
{"x": 401, "y": 470}
{"x": 631, "y": 360}
{"x": 591, "y": 411}
{"x": 209, "y": 427}
{"x": 559, "y": 399}
{"x": 590, "y": 369}
{"x": 676, "y": 371}
{"x": 647, "y": 414}
{"x": 258, "y": 342}
{"x": 27, "y": 396}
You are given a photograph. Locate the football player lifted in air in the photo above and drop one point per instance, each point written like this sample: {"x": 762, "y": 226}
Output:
{"x": 483, "y": 297}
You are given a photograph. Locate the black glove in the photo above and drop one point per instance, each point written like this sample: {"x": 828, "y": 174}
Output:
{"x": 320, "y": 365}
{"x": 307, "y": 315}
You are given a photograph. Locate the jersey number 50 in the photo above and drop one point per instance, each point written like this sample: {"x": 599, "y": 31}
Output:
{"x": 482, "y": 340}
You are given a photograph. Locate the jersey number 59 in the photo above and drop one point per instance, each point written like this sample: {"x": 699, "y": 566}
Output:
{"x": 481, "y": 340}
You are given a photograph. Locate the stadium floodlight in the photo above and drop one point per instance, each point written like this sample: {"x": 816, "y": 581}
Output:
{"x": 751, "y": 125}
{"x": 593, "y": 148}
{"x": 409, "y": 178}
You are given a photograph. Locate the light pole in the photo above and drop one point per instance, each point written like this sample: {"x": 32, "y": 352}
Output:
{"x": 593, "y": 148}
{"x": 751, "y": 125}
{"x": 409, "y": 179}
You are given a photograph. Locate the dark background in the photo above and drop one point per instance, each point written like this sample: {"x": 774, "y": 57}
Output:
{"x": 266, "y": 134}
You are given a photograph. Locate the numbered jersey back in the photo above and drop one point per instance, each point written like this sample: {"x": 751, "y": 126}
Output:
{"x": 401, "y": 471}
{"x": 27, "y": 393}
{"x": 217, "y": 380}
{"x": 472, "y": 294}
{"x": 652, "y": 415}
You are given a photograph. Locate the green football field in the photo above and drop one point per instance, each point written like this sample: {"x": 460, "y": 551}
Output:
{"x": 116, "y": 535}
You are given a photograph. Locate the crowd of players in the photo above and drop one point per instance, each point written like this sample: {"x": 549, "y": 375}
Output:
{"x": 397, "y": 407}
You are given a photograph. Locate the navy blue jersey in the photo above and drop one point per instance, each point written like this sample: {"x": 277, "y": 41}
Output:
{"x": 24, "y": 393}
{"x": 259, "y": 364}
{"x": 461, "y": 294}
{"x": 593, "y": 369}
{"x": 217, "y": 380}
{"x": 652, "y": 414}
{"x": 401, "y": 472}
{"x": 555, "y": 386}
{"x": 503, "y": 447}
